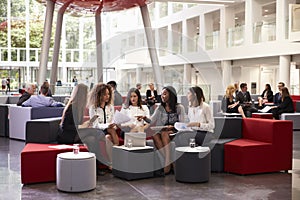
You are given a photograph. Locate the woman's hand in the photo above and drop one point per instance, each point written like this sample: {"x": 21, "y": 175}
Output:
{"x": 112, "y": 125}
{"x": 193, "y": 124}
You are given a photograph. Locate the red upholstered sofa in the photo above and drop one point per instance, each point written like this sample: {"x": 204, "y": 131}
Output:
{"x": 295, "y": 99}
{"x": 266, "y": 146}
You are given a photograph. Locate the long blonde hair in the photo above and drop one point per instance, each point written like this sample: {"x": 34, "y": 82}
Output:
{"x": 78, "y": 102}
{"x": 229, "y": 92}
{"x": 97, "y": 93}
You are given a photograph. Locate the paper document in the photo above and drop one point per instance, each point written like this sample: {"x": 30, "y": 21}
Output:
{"x": 182, "y": 127}
{"x": 62, "y": 146}
{"x": 265, "y": 109}
{"x": 120, "y": 118}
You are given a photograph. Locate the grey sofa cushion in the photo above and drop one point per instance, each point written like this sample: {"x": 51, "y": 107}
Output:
{"x": 228, "y": 127}
{"x": 46, "y": 112}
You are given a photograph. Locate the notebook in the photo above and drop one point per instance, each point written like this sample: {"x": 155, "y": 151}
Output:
{"x": 137, "y": 139}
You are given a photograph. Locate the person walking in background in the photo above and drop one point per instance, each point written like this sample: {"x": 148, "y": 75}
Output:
{"x": 75, "y": 81}
{"x": 139, "y": 86}
{"x": 286, "y": 105}
{"x": 7, "y": 85}
{"x": 117, "y": 98}
{"x": 3, "y": 86}
{"x": 151, "y": 97}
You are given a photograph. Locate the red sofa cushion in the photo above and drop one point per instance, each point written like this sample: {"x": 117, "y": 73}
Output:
{"x": 244, "y": 156}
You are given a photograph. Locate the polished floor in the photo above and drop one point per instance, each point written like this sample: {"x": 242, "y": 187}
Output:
{"x": 280, "y": 185}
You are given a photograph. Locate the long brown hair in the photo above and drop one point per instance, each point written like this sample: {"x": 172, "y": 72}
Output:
{"x": 284, "y": 93}
{"x": 97, "y": 93}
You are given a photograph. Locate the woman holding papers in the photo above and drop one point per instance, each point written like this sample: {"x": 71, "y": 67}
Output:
{"x": 229, "y": 105}
{"x": 134, "y": 109}
{"x": 286, "y": 105}
{"x": 100, "y": 104}
{"x": 166, "y": 115}
{"x": 199, "y": 114}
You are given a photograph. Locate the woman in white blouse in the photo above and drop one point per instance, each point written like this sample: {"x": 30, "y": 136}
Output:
{"x": 100, "y": 104}
{"x": 134, "y": 109}
{"x": 199, "y": 114}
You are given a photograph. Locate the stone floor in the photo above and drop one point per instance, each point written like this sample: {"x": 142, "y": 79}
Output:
{"x": 280, "y": 185}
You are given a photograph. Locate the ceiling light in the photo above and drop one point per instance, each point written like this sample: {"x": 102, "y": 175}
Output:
{"x": 236, "y": 18}
{"x": 266, "y": 10}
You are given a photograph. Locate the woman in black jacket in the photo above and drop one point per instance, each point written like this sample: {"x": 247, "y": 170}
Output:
{"x": 266, "y": 96}
{"x": 286, "y": 106}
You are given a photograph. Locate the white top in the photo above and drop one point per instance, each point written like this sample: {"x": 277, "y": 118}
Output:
{"x": 193, "y": 150}
{"x": 133, "y": 111}
{"x": 79, "y": 156}
{"x": 203, "y": 115}
{"x": 109, "y": 114}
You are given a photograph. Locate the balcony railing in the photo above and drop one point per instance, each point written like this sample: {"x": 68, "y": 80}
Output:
{"x": 264, "y": 31}
{"x": 235, "y": 36}
{"x": 212, "y": 40}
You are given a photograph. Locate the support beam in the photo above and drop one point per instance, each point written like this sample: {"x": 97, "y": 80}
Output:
{"x": 46, "y": 42}
{"x": 59, "y": 21}
{"x": 151, "y": 47}
{"x": 226, "y": 72}
{"x": 284, "y": 69}
{"x": 99, "y": 77}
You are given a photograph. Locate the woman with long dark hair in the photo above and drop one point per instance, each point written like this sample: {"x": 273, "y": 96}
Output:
{"x": 166, "y": 114}
{"x": 199, "y": 114}
{"x": 286, "y": 105}
{"x": 134, "y": 109}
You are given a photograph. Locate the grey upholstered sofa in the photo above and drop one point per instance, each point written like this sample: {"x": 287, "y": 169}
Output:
{"x": 18, "y": 116}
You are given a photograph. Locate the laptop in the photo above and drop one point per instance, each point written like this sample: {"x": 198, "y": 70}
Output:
{"x": 137, "y": 139}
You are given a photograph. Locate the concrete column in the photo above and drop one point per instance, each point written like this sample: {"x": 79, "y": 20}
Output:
{"x": 187, "y": 73}
{"x": 252, "y": 14}
{"x": 9, "y": 30}
{"x": 226, "y": 72}
{"x": 284, "y": 70}
{"x": 151, "y": 47}
{"x": 170, "y": 38}
{"x": 185, "y": 36}
{"x": 46, "y": 42}
{"x": 28, "y": 78}
{"x": 227, "y": 21}
{"x": 63, "y": 56}
{"x": 99, "y": 77}
{"x": 202, "y": 31}
{"x": 281, "y": 16}
{"x": 59, "y": 21}
{"x": 81, "y": 50}
{"x": 138, "y": 72}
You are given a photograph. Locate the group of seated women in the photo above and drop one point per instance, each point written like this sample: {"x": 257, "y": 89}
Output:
{"x": 101, "y": 126}
{"x": 282, "y": 104}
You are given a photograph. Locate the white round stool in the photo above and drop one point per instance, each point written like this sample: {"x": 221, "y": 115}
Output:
{"x": 76, "y": 172}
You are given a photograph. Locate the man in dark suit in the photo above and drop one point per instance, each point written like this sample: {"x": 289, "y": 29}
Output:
{"x": 244, "y": 99}
{"x": 277, "y": 96}
{"x": 151, "y": 97}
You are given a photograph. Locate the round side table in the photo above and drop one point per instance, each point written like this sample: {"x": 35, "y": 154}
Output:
{"x": 76, "y": 172}
{"x": 192, "y": 164}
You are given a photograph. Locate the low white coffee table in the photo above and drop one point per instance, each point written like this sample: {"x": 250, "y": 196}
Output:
{"x": 76, "y": 172}
{"x": 192, "y": 164}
